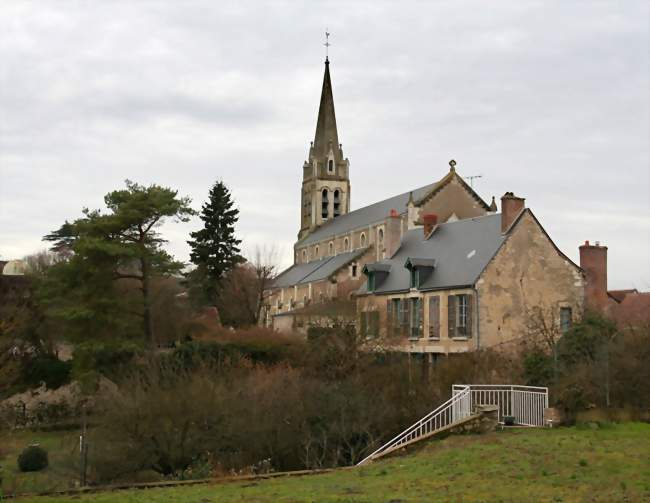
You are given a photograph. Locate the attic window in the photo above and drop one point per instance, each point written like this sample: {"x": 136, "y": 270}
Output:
{"x": 415, "y": 277}
{"x": 331, "y": 248}
{"x": 316, "y": 250}
{"x": 304, "y": 255}
{"x": 371, "y": 282}
{"x": 346, "y": 244}
{"x": 363, "y": 239}
{"x": 330, "y": 166}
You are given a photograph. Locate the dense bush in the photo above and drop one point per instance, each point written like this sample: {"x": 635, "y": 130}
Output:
{"x": 330, "y": 407}
{"x": 48, "y": 369}
{"x": 94, "y": 358}
{"x": 32, "y": 459}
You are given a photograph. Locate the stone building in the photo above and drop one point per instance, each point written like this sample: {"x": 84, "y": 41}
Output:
{"x": 469, "y": 284}
{"x": 335, "y": 243}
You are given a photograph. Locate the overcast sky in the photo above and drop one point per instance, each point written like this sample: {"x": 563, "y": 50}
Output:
{"x": 546, "y": 99}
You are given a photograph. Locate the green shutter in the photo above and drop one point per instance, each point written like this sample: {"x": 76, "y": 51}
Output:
{"x": 363, "y": 329}
{"x": 434, "y": 317}
{"x": 404, "y": 319}
{"x": 451, "y": 316}
{"x": 389, "y": 316}
{"x": 470, "y": 311}
{"x": 374, "y": 323}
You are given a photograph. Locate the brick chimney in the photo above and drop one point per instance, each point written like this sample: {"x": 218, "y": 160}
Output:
{"x": 430, "y": 220}
{"x": 392, "y": 233}
{"x": 593, "y": 260}
{"x": 511, "y": 207}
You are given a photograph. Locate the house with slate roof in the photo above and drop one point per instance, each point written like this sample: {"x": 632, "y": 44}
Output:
{"x": 335, "y": 242}
{"x": 469, "y": 284}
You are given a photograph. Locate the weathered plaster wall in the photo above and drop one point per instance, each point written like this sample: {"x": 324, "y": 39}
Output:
{"x": 424, "y": 344}
{"x": 528, "y": 271}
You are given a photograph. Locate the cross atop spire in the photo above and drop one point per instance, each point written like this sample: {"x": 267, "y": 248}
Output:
{"x": 327, "y": 46}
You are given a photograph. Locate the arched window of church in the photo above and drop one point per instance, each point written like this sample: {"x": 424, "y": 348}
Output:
{"x": 331, "y": 248}
{"x": 337, "y": 203}
{"x": 346, "y": 244}
{"x": 380, "y": 236}
{"x": 363, "y": 239}
{"x": 304, "y": 255}
{"x": 325, "y": 204}
{"x": 316, "y": 250}
{"x": 330, "y": 166}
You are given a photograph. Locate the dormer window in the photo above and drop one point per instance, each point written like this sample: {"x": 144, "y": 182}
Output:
{"x": 376, "y": 274}
{"x": 415, "y": 278}
{"x": 330, "y": 166}
{"x": 420, "y": 269}
{"x": 371, "y": 282}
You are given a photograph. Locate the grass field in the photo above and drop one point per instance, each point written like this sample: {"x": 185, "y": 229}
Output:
{"x": 60, "y": 447}
{"x": 610, "y": 463}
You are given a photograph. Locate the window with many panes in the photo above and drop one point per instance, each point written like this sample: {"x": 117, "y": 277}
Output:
{"x": 369, "y": 324}
{"x": 415, "y": 307}
{"x": 565, "y": 319}
{"x": 397, "y": 311}
{"x": 459, "y": 315}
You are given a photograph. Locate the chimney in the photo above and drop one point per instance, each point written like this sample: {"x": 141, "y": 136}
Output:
{"x": 392, "y": 234}
{"x": 593, "y": 260}
{"x": 511, "y": 207}
{"x": 430, "y": 220}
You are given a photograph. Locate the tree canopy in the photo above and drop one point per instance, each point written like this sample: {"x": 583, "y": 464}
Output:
{"x": 112, "y": 258}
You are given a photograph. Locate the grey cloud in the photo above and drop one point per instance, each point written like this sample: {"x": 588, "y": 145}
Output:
{"x": 548, "y": 99}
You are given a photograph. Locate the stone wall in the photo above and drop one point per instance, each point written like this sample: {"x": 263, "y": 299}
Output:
{"x": 528, "y": 273}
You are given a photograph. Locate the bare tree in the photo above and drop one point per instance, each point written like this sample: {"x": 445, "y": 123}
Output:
{"x": 265, "y": 263}
{"x": 544, "y": 331}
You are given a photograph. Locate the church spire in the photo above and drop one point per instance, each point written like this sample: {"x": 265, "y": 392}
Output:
{"x": 326, "y": 136}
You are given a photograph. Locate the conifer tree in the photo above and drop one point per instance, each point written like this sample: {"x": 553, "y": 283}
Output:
{"x": 214, "y": 248}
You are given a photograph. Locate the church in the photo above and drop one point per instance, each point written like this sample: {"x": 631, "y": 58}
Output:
{"x": 433, "y": 270}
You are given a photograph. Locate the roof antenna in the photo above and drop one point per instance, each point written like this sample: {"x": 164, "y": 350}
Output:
{"x": 471, "y": 179}
{"x": 327, "y": 46}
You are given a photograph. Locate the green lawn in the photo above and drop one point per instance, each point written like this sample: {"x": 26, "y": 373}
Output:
{"x": 61, "y": 448}
{"x": 606, "y": 464}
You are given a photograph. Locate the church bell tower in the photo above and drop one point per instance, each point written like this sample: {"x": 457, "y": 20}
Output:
{"x": 325, "y": 178}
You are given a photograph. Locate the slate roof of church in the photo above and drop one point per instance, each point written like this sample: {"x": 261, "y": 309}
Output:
{"x": 461, "y": 251}
{"x": 316, "y": 270}
{"x": 365, "y": 216}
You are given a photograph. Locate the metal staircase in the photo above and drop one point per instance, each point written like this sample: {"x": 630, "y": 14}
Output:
{"x": 525, "y": 403}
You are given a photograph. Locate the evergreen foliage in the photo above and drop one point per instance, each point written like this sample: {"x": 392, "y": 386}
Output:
{"x": 112, "y": 258}
{"x": 33, "y": 459}
{"x": 215, "y": 248}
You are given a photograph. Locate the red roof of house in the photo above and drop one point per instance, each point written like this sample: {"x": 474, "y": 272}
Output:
{"x": 619, "y": 295}
{"x": 633, "y": 311}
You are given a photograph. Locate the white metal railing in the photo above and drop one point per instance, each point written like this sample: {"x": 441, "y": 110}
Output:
{"x": 458, "y": 407}
{"x": 525, "y": 403}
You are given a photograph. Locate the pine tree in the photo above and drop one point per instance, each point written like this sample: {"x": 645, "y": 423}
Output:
{"x": 215, "y": 249}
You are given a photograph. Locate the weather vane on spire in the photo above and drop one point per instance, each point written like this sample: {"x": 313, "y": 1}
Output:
{"x": 327, "y": 45}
